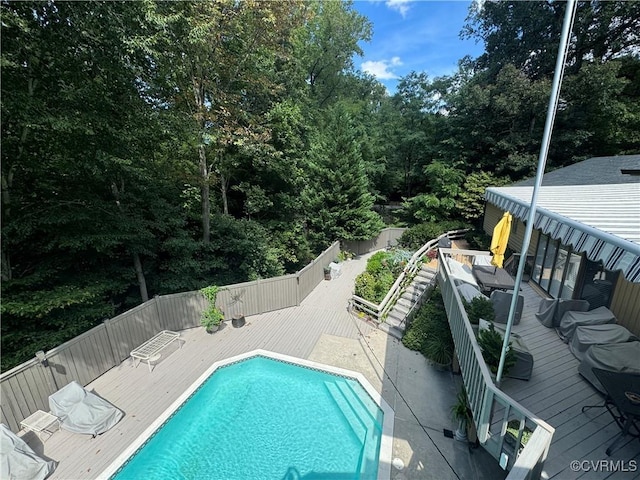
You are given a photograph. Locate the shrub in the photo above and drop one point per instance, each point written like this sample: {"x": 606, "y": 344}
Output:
{"x": 490, "y": 343}
{"x": 429, "y": 331}
{"x": 416, "y": 236}
{"x": 366, "y": 286}
{"x": 479, "y": 307}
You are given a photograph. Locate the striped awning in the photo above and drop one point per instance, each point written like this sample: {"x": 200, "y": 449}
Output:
{"x": 603, "y": 221}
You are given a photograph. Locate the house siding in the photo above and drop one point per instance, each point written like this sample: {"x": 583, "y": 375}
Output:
{"x": 492, "y": 216}
{"x": 625, "y": 303}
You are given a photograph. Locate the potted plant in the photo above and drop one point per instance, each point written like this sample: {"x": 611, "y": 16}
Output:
{"x": 212, "y": 316}
{"x": 327, "y": 273}
{"x": 461, "y": 413}
{"x": 479, "y": 307}
{"x": 439, "y": 350}
{"x": 439, "y": 345}
{"x": 490, "y": 342}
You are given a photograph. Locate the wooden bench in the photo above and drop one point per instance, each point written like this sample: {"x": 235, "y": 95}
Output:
{"x": 150, "y": 350}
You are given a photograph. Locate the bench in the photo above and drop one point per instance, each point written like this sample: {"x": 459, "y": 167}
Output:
{"x": 150, "y": 350}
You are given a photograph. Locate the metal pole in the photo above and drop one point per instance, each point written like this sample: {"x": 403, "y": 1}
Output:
{"x": 563, "y": 50}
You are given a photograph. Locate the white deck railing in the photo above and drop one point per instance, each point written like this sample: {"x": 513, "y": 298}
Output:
{"x": 380, "y": 311}
{"x": 492, "y": 408}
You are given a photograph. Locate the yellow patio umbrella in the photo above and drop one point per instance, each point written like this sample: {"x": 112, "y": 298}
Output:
{"x": 500, "y": 239}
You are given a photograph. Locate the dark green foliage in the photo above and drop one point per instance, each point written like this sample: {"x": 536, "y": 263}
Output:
{"x": 416, "y": 236}
{"x": 478, "y": 239}
{"x": 479, "y": 307}
{"x": 366, "y": 286}
{"x": 429, "y": 331}
{"x": 490, "y": 342}
{"x": 382, "y": 271}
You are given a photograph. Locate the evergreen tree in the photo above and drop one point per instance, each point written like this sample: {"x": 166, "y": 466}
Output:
{"x": 339, "y": 199}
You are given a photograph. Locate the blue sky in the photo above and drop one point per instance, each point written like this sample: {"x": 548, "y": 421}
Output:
{"x": 414, "y": 35}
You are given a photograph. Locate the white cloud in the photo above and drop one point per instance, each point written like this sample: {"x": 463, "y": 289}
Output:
{"x": 380, "y": 69}
{"x": 402, "y": 6}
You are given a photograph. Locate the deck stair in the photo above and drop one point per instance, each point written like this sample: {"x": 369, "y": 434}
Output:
{"x": 410, "y": 299}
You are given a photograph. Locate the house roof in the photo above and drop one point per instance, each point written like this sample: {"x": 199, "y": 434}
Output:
{"x": 594, "y": 171}
{"x": 602, "y": 220}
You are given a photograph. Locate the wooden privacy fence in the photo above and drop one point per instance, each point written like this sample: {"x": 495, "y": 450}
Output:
{"x": 26, "y": 388}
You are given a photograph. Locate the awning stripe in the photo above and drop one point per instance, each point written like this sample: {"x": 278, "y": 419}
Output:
{"x": 614, "y": 252}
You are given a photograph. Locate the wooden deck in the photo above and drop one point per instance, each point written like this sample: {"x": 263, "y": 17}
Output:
{"x": 557, "y": 393}
{"x": 321, "y": 329}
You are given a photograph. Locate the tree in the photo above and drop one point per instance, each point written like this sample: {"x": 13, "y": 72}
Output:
{"x": 326, "y": 45}
{"x": 214, "y": 61}
{"x": 338, "y": 193}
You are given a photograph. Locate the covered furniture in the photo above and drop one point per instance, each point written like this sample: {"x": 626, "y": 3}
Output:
{"x": 523, "y": 367}
{"x": 572, "y": 320}
{"x": 622, "y": 400}
{"x": 551, "y": 310}
{"x": 502, "y": 303}
{"x": 81, "y": 411}
{"x": 18, "y": 461}
{"x": 615, "y": 357}
{"x": 491, "y": 278}
{"x": 468, "y": 292}
{"x": 588, "y": 335}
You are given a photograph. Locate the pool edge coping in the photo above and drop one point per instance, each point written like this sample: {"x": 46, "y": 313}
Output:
{"x": 386, "y": 441}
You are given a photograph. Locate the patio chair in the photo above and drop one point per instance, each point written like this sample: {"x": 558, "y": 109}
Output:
{"x": 622, "y": 401}
{"x": 18, "y": 460}
{"x": 501, "y": 301}
{"x": 81, "y": 411}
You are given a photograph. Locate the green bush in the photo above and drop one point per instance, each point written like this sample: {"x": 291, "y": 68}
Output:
{"x": 382, "y": 270}
{"x": 429, "y": 331}
{"x": 366, "y": 286}
{"x": 478, "y": 239}
{"x": 416, "y": 236}
{"x": 479, "y": 307}
{"x": 490, "y": 342}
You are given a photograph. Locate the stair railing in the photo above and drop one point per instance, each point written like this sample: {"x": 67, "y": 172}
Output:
{"x": 380, "y": 311}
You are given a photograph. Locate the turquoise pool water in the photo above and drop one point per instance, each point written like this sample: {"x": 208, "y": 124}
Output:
{"x": 266, "y": 419}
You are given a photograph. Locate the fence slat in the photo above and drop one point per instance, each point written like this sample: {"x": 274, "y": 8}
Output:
{"x": 27, "y": 387}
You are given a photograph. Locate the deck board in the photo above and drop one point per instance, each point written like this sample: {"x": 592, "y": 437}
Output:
{"x": 556, "y": 392}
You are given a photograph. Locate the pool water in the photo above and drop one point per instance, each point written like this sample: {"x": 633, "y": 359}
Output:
{"x": 262, "y": 418}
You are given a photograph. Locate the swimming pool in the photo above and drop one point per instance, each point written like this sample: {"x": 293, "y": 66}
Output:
{"x": 266, "y": 416}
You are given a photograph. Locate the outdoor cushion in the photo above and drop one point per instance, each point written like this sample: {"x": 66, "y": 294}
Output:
{"x": 615, "y": 357}
{"x": 502, "y": 303}
{"x": 461, "y": 273}
{"x": 572, "y": 320}
{"x": 81, "y": 411}
{"x": 588, "y": 335}
{"x": 468, "y": 292}
{"x": 19, "y": 461}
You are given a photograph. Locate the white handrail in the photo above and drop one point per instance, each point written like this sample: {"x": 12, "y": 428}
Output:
{"x": 483, "y": 394}
{"x": 413, "y": 265}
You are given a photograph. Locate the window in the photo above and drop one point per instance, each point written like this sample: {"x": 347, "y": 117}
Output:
{"x": 556, "y": 268}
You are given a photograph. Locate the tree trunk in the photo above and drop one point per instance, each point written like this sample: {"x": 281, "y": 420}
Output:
{"x": 204, "y": 193}
{"x": 224, "y": 184}
{"x": 137, "y": 264}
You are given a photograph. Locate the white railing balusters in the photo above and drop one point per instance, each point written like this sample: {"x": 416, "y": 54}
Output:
{"x": 484, "y": 396}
